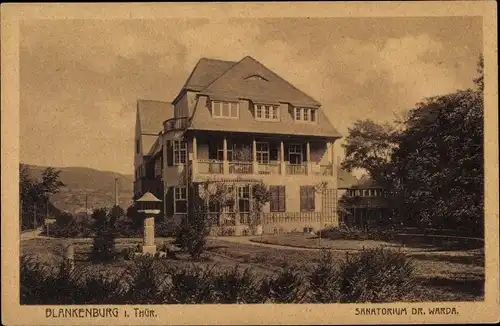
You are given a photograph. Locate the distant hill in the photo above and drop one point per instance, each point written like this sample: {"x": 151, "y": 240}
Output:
{"x": 97, "y": 185}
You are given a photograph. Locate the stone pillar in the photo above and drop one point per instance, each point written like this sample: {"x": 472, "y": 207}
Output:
{"x": 308, "y": 158}
{"x": 282, "y": 159}
{"x": 255, "y": 164}
{"x": 149, "y": 246}
{"x": 225, "y": 163}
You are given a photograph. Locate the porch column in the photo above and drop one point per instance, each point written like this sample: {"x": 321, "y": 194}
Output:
{"x": 194, "y": 163}
{"x": 255, "y": 164}
{"x": 282, "y": 159}
{"x": 225, "y": 163}
{"x": 308, "y": 158}
{"x": 334, "y": 164}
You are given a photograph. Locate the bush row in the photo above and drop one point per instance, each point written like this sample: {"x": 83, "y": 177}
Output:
{"x": 372, "y": 275}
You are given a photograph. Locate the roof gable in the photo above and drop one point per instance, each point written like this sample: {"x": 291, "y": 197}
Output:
{"x": 250, "y": 79}
{"x": 205, "y": 72}
{"x": 152, "y": 114}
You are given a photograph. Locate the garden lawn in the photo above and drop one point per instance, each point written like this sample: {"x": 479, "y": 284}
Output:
{"x": 442, "y": 275}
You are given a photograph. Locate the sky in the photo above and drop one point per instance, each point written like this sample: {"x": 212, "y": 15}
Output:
{"x": 80, "y": 79}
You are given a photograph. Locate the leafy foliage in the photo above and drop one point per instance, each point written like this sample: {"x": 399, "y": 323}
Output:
{"x": 376, "y": 275}
{"x": 34, "y": 195}
{"x": 432, "y": 167}
{"x": 103, "y": 245}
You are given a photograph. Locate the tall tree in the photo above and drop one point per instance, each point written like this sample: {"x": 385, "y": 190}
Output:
{"x": 369, "y": 147}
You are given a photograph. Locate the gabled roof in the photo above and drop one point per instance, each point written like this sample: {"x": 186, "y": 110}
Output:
{"x": 206, "y": 71}
{"x": 240, "y": 80}
{"x": 147, "y": 143}
{"x": 152, "y": 114}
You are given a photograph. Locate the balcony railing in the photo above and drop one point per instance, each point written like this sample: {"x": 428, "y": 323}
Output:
{"x": 269, "y": 168}
{"x": 296, "y": 169}
{"x": 175, "y": 124}
{"x": 326, "y": 170}
{"x": 210, "y": 167}
{"x": 241, "y": 167}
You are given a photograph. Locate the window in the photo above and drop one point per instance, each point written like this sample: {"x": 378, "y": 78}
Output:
{"x": 158, "y": 167}
{"x": 262, "y": 152}
{"x": 213, "y": 205}
{"x": 305, "y": 114}
{"x": 307, "y": 202}
{"x": 180, "y": 152}
{"x": 366, "y": 193}
{"x": 298, "y": 113}
{"x": 225, "y": 109}
{"x": 220, "y": 152}
{"x": 137, "y": 146}
{"x": 266, "y": 112}
{"x": 278, "y": 198}
{"x": 180, "y": 200}
{"x": 244, "y": 199}
{"x": 295, "y": 154}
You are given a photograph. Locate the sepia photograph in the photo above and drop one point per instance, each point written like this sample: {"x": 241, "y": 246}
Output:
{"x": 240, "y": 160}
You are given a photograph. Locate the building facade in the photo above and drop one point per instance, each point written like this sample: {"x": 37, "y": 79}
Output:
{"x": 240, "y": 124}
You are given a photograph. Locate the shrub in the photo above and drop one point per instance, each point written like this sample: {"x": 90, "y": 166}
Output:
{"x": 145, "y": 287}
{"x": 64, "y": 219}
{"x": 376, "y": 275}
{"x": 101, "y": 289}
{"x": 191, "y": 284}
{"x": 234, "y": 286}
{"x": 286, "y": 287}
{"x": 324, "y": 280}
{"x": 103, "y": 247}
{"x": 165, "y": 229}
{"x": 125, "y": 227}
{"x": 192, "y": 232}
{"x": 42, "y": 284}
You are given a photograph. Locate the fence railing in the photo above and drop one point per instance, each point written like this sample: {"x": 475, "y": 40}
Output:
{"x": 241, "y": 167}
{"x": 306, "y": 217}
{"x": 210, "y": 166}
{"x": 296, "y": 169}
{"x": 269, "y": 168}
{"x": 175, "y": 124}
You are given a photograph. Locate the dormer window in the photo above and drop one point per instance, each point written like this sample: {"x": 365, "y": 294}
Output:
{"x": 304, "y": 114}
{"x": 223, "y": 109}
{"x": 266, "y": 112}
{"x": 256, "y": 77}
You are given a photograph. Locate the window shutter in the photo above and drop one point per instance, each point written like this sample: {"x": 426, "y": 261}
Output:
{"x": 287, "y": 150}
{"x": 274, "y": 198}
{"x": 170, "y": 153}
{"x": 311, "y": 199}
{"x": 282, "y": 199}
{"x": 303, "y": 198}
{"x": 169, "y": 201}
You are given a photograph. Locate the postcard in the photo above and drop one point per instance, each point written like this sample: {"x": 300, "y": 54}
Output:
{"x": 249, "y": 163}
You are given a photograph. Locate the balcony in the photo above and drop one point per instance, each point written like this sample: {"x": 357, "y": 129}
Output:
{"x": 175, "y": 124}
{"x": 296, "y": 169}
{"x": 210, "y": 167}
{"x": 269, "y": 168}
{"x": 240, "y": 167}
{"x": 218, "y": 167}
